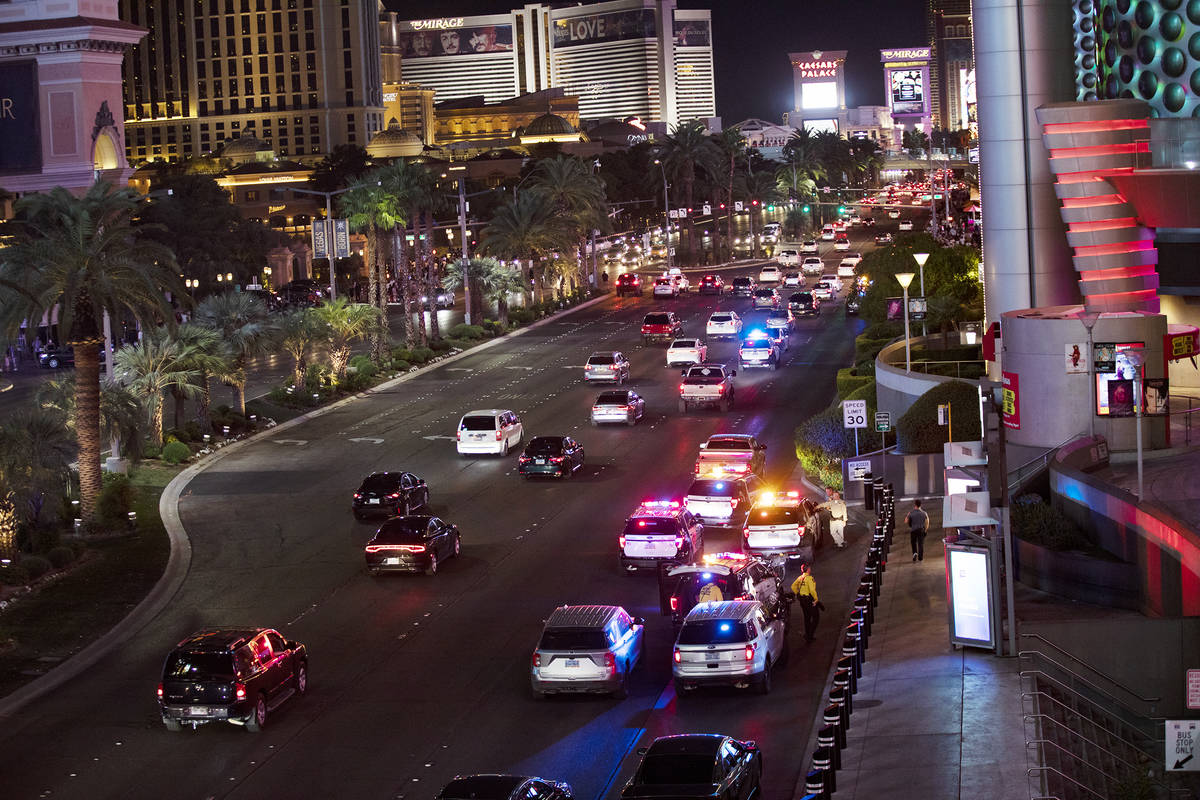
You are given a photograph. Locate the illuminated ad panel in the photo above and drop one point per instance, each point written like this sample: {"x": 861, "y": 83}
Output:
{"x": 818, "y": 95}
{"x": 692, "y": 32}
{"x": 818, "y": 80}
{"x": 614, "y": 26}
{"x": 454, "y": 36}
{"x": 906, "y": 74}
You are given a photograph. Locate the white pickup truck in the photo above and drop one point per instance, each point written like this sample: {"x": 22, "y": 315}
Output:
{"x": 706, "y": 385}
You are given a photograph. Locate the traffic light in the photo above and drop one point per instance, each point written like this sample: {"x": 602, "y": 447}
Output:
{"x": 806, "y": 208}
{"x": 771, "y": 207}
{"x": 753, "y": 202}
{"x": 841, "y": 209}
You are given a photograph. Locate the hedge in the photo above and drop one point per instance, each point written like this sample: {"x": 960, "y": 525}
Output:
{"x": 848, "y": 381}
{"x": 1039, "y": 523}
{"x": 176, "y": 453}
{"x": 868, "y": 349}
{"x": 918, "y": 430}
{"x": 464, "y": 331}
{"x": 822, "y": 442}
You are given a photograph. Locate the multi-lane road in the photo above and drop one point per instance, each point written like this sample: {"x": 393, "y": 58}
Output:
{"x": 416, "y": 679}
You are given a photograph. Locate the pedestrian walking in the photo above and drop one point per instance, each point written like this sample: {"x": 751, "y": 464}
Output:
{"x": 805, "y": 589}
{"x": 836, "y": 507}
{"x": 918, "y": 524}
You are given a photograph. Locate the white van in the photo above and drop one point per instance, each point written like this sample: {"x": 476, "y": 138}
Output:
{"x": 828, "y": 233}
{"x": 489, "y": 431}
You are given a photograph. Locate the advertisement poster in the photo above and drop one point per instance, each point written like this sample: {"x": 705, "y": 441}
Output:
{"x": 1154, "y": 396}
{"x": 970, "y": 596}
{"x": 908, "y": 91}
{"x": 1104, "y": 356}
{"x": 1076, "y": 363}
{"x": 614, "y": 26}
{"x": 895, "y": 308}
{"x": 1011, "y": 398}
{"x": 1120, "y": 398}
{"x": 455, "y": 41}
{"x": 692, "y": 33}
{"x": 20, "y": 140}
{"x": 917, "y": 306}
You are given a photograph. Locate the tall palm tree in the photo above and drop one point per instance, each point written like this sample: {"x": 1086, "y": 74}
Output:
{"x": 299, "y": 333}
{"x": 36, "y": 450}
{"x": 345, "y": 323}
{"x": 403, "y": 181}
{"x": 685, "y": 151}
{"x": 732, "y": 147}
{"x": 526, "y": 228}
{"x": 371, "y": 207}
{"x": 576, "y": 194}
{"x": 497, "y": 284}
{"x": 866, "y": 159}
{"x": 204, "y": 350}
{"x": 247, "y": 329}
{"x": 120, "y": 411}
{"x": 760, "y": 189}
{"x": 84, "y": 257}
{"x": 151, "y": 368}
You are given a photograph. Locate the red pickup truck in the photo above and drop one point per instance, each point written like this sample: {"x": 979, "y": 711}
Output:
{"x": 662, "y": 326}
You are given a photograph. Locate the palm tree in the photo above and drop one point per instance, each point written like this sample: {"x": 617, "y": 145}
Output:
{"x": 576, "y": 194}
{"x": 732, "y": 146}
{"x": 686, "y": 150}
{"x": 120, "y": 412}
{"x": 247, "y": 329}
{"x": 36, "y": 450}
{"x": 403, "y": 181}
{"x": 84, "y": 257}
{"x": 760, "y": 189}
{"x": 345, "y": 323}
{"x": 299, "y": 333}
{"x": 526, "y": 228}
{"x": 204, "y": 350}
{"x": 497, "y": 283}
{"x": 866, "y": 159}
{"x": 152, "y": 367}
{"x": 371, "y": 207}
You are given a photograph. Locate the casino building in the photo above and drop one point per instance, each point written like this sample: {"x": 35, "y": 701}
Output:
{"x": 624, "y": 58}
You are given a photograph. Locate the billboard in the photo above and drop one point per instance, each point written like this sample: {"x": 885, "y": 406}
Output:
{"x": 823, "y": 94}
{"x": 20, "y": 137}
{"x": 907, "y": 90}
{"x": 614, "y": 26}
{"x": 451, "y": 37}
{"x": 692, "y": 33}
{"x": 818, "y": 64}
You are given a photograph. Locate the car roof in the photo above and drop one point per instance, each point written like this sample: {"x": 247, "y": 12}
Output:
{"x": 718, "y": 436}
{"x": 470, "y": 786}
{"x": 592, "y": 616}
{"x": 487, "y": 412}
{"x": 739, "y": 610}
{"x": 687, "y": 744}
{"x": 219, "y": 639}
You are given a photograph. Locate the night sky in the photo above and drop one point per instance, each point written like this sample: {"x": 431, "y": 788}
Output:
{"x": 751, "y": 40}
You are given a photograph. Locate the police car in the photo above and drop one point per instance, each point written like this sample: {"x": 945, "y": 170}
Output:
{"x": 758, "y": 350}
{"x": 717, "y": 577}
{"x": 781, "y": 525}
{"x": 722, "y": 501}
{"x": 659, "y": 531}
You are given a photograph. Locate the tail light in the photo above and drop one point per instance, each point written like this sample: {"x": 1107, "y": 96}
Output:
{"x": 720, "y": 388}
{"x": 610, "y": 662}
{"x": 622, "y": 408}
{"x": 678, "y": 542}
{"x": 556, "y": 459}
{"x": 733, "y": 501}
{"x": 678, "y": 656}
{"x": 681, "y": 388}
{"x": 160, "y": 689}
{"x": 674, "y": 607}
{"x": 499, "y": 434}
{"x": 523, "y": 459}
{"x": 800, "y": 531}
{"x": 621, "y": 542}
{"x": 239, "y": 691}
{"x": 458, "y": 436}
{"x": 537, "y": 658}
{"x": 595, "y": 409}
{"x": 393, "y": 496}
{"x": 413, "y": 548}
{"x": 746, "y": 533}
{"x": 358, "y": 495}
{"x": 750, "y": 648}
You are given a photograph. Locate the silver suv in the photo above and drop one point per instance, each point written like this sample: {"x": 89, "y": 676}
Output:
{"x": 607, "y": 366}
{"x": 732, "y": 642}
{"x": 587, "y": 649}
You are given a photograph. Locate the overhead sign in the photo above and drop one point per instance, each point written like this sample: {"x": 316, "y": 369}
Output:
{"x": 673, "y": 213}
{"x": 854, "y": 413}
{"x": 883, "y": 421}
{"x": 737, "y": 205}
{"x": 613, "y": 26}
{"x": 858, "y": 470}
{"x": 707, "y": 208}
{"x": 452, "y": 36}
{"x": 1181, "y": 737}
{"x": 906, "y": 54}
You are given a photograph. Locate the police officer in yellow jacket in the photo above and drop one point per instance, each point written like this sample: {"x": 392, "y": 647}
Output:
{"x": 805, "y": 589}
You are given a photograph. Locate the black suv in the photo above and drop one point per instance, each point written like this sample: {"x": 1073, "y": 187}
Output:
{"x": 236, "y": 675}
{"x": 742, "y": 287}
{"x": 804, "y": 304}
{"x": 629, "y": 283}
{"x": 697, "y": 765}
{"x": 392, "y": 494}
{"x": 717, "y": 577}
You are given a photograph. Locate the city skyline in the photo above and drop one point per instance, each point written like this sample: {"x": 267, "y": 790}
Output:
{"x": 753, "y": 74}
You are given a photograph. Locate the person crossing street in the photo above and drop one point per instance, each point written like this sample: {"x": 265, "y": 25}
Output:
{"x": 805, "y": 589}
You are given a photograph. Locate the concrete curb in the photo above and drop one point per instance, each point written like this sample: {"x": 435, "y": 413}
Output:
{"x": 180, "y": 560}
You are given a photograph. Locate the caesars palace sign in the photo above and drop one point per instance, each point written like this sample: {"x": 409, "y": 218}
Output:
{"x": 817, "y": 66}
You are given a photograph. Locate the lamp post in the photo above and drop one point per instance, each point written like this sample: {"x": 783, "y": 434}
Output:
{"x": 267, "y": 277}
{"x": 904, "y": 279}
{"x": 1089, "y": 320}
{"x": 666, "y": 210}
{"x": 329, "y": 234}
{"x": 921, "y": 258}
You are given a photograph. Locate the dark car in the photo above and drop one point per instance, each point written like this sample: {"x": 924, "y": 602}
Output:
{"x": 504, "y": 787}
{"x": 629, "y": 283}
{"x": 804, "y": 304}
{"x": 412, "y": 544}
{"x": 58, "y": 357}
{"x": 235, "y": 675}
{"x": 696, "y": 765}
{"x": 743, "y": 286}
{"x": 720, "y": 576}
{"x": 272, "y": 301}
{"x": 301, "y": 293}
{"x": 854, "y": 303}
{"x": 442, "y": 298}
{"x": 883, "y": 238}
{"x": 556, "y": 456}
{"x": 712, "y": 284}
{"x": 393, "y": 494}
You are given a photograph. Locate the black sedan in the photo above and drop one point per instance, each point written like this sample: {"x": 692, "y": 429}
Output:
{"x": 412, "y": 544}
{"x": 556, "y": 456}
{"x": 712, "y": 284}
{"x": 58, "y": 357}
{"x": 697, "y": 765}
{"x": 390, "y": 494}
{"x": 504, "y": 787}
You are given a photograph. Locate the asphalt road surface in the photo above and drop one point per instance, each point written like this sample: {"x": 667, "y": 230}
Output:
{"x": 416, "y": 679}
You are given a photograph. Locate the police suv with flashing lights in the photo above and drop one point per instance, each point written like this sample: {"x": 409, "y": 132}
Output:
{"x": 758, "y": 350}
{"x": 659, "y": 531}
{"x": 781, "y": 525}
{"x": 723, "y": 501}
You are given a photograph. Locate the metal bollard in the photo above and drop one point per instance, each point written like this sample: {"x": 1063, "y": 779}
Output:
{"x": 841, "y": 687}
{"x": 868, "y": 495}
{"x": 867, "y": 606}
{"x": 814, "y": 784}
{"x": 865, "y": 587}
{"x": 833, "y": 717}
{"x": 850, "y": 650}
{"x": 855, "y": 632}
{"x": 879, "y": 556}
{"x": 836, "y": 699}
{"x": 823, "y": 760}
{"x": 848, "y": 665}
{"x": 860, "y": 615}
{"x": 827, "y": 737}
{"x": 871, "y": 573}
{"x": 877, "y": 491}
{"x": 871, "y": 579}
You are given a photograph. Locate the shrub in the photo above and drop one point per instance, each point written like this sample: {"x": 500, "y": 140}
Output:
{"x": 421, "y": 355}
{"x": 883, "y": 330}
{"x": 848, "y": 381}
{"x": 176, "y": 453}
{"x": 150, "y": 451}
{"x": 44, "y": 537}
{"x": 192, "y": 432}
{"x": 866, "y": 392}
{"x": 400, "y": 365}
{"x": 61, "y": 556}
{"x": 822, "y": 442}
{"x": 493, "y": 327}
{"x": 441, "y": 346}
{"x": 13, "y": 574}
{"x": 520, "y": 316}
{"x": 363, "y": 365}
{"x": 918, "y": 432}
{"x": 36, "y": 566}
{"x": 868, "y": 349}
{"x": 462, "y": 331}
{"x": 116, "y": 497}
{"x": 1039, "y": 523}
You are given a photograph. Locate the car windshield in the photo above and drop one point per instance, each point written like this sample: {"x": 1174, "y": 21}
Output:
{"x": 802, "y": 297}
{"x": 481, "y": 787}
{"x": 727, "y": 444}
{"x": 600, "y": 358}
{"x": 712, "y": 488}
{"x": 742, "y": 281}
{"x": 572, "y": 639}
{"x": 381, "y": 483}
{"x": 684, "y": 343}
{"x": 764, "y": 293}
{"x": 544, "y": 446}
{"x": 676, "y": 769}
{"x": 720, "y": 318}
{"x": 714, "y": 631}
{"x": 787, "y": 253}
{"x": 650, "y": 525}
{"x": 775, "y": 516}
{"x": 198, "y": 666}
{"x": 401, "y": 529}
{"x": 663, "y": 282}
{"x": 656, "y": 319}
{"x": 487, "y": 423}
{"x": 612, "y": 398}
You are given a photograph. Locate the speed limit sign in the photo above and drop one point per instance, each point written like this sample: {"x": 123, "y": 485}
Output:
{"x": 854, "y": 413}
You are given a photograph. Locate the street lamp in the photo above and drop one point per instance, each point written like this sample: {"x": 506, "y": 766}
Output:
{"x": 329, "y": 220}
{"x": 904, "y": 279}
{"x": 921, "y": 258}
{"x": 267, "y": 276}
{"x": 1089, "y": 320}
{"x": 666, "y": 210}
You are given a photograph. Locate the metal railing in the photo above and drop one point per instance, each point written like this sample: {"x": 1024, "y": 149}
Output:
{"x": 957, "y": 365}
{"x": 1186, "y": 414}
{"x": 1029, "y": 772}
{"x": 1017, "y": 475}
{"x": 1098, "y": 673}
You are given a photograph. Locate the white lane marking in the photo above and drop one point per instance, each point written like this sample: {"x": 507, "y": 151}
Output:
{"x": 438, "y": 436}
{"x": 297, "y": 442}
{"x": 371, "y": 439}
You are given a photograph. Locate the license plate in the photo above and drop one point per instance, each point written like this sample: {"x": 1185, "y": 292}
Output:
{"x": 199, "y": 711}
{"x": 772, "y": 534}
{"x": 391, "y": 561}
{"x": 539, "y": 461}
{"x": 712, "y": 656}
{"x": 374, "y": 501}
{"x": 572, "y": 662}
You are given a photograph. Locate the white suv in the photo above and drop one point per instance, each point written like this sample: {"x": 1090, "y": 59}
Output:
{"x": 732, "y": 642}
{"x": 587, "y": 649}
{"x": 788, "y": 258}
{"x": 812, "y": 265}
{"x": 686, "y": 351}
{"x": 491, "y": 430}
{"x": 723, "y": 323}
{"x": 770, "y": 274}
{"x": 809, "y": 247}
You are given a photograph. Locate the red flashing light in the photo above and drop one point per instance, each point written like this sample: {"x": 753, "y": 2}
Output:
{"x": 239, "y": 691}
{"x": 674, "y": 607}
{"x": 678, "y": 656}
{"x": 610, "y": 662}
{"x": 750, "y": 648}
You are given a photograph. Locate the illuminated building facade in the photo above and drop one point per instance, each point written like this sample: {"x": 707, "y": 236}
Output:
{"x": 906, "y": 74}
{"x": 624, "y": 58}
{"x": 952, "y": 78}
{"x": 303, "y": 75}
{"x": 819, "y": 85}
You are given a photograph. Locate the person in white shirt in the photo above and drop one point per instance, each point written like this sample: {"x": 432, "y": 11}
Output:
{"x": 836, "y": 507}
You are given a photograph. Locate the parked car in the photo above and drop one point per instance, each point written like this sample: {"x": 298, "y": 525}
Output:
{"x": 587, "y": 649}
